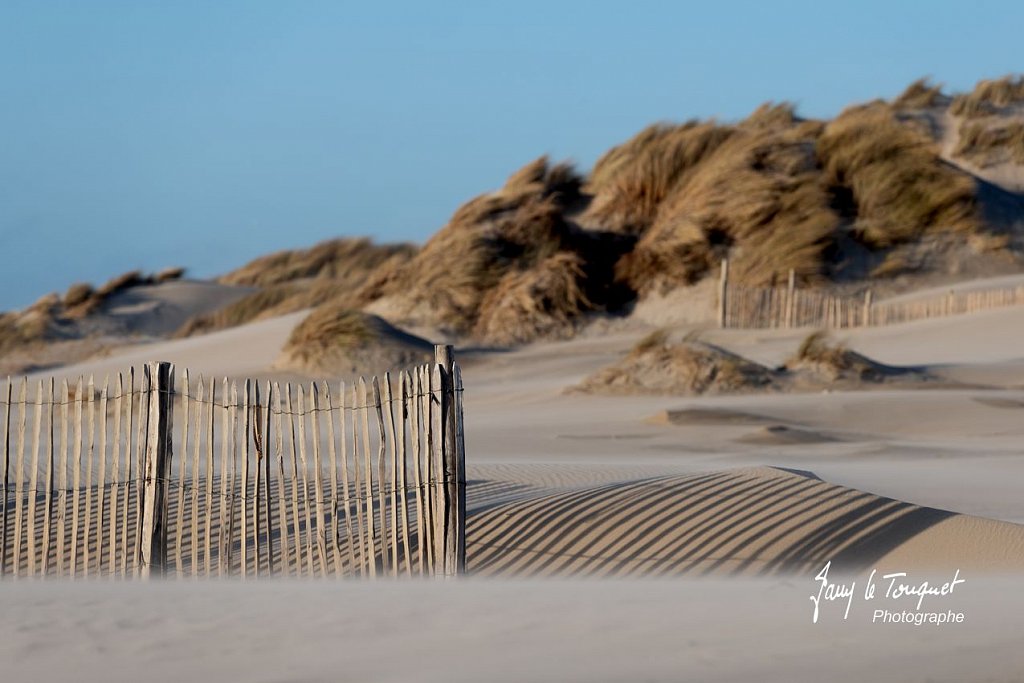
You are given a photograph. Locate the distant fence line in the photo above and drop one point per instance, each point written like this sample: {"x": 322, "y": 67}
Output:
{"x": 789, "y": 307}
{"x": 367, "y": 480}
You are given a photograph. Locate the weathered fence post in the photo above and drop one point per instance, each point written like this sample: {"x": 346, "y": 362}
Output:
{"x": 159, "y": 452}
{"x": 452, "y": 545}
{"x": 723, "y": 289}
{"x": 867, "y": 308}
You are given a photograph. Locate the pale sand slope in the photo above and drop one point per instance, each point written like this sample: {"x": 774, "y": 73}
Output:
{"x": 568, "y": 484}
{"x": 739, "y": 630}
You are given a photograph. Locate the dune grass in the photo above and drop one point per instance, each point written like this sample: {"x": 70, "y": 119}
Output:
{"x": 331, "y": 259}
{"x": 921, "y": 94}
{"x": 757, "y": 199}
{"x": 895, "y": 186}
{"x": 989, "y": 96}
{"x": 987, "y": 143}
{"x": 631, "y": 181}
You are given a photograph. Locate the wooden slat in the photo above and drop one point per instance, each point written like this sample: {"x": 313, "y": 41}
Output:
{"x": 101, "y": 478}
{"x": 332, "y": 451}
{"x": 413, "y": 382}
{"x": 141, "y": 439}
{"x": 346, "y": 491}
{"x": 267, "y": 470}
{"x": 33, "y": 494}
{"x": 296, "y": 517}
{"x": 48, "y": 501}
{"x": 233, "y": 497}
{"x": 357, "y": 479}
{"x": 389, "y": 424}
{"x": 318, "y": 481}
{"x": 281, "y": 484}
{"x": 76, "y": 476}
{"x": 307, "y": 513}
{"x": 254, "y": 437}
{"x": 429, "y": 494}
{"x": 381, "y": 475}
{"x": 116, "y": 473}
{"x": 460, "y": 455}
{"x": 197, "y": 428}
{"x": 90, "y": 459}
{"x": 126, "y": 549}
{"x": 179, "y": 486}
{"x": 208, "y": 522}
{"x": 403, "y": 464}
{"x": 127, "y": 485}
{"x": 19, "y": 477}
{"x": 246, "y": 496}
{"x": 441, "y": 502}
{"x": 223, "y": 539}
{"x": 371, "y": 550}
{"x": 6, "y": 476}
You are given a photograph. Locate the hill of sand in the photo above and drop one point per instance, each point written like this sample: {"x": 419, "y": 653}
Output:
{"x": 759, "y": 489}
{"x": 922, "y": 190}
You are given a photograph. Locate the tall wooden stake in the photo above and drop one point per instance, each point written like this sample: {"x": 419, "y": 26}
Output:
{"x": 159, "y": 454}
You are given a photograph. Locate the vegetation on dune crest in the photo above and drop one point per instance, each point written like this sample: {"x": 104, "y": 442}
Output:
{"x": 890, "y": 181}
{"x": 987, "y": 143}
{"x": 291, "y": 281}
{"x": 989, "y": 96}
{"x": 921, "y": 94}
{"x": 658, "y": 366}
{"x": 334, "y": 338}
{"x": 501, "y": 248}
{"x": 757, "y": 199}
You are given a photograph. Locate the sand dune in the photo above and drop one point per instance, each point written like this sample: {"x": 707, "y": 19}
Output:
{"x": 755, "y": 522}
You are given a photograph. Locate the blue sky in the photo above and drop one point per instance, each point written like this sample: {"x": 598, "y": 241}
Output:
{"x": 145, "y": 134}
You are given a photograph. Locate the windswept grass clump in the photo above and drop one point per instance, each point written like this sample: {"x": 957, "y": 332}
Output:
{"x": 334, "y": 259}
{"x": 291, "y": 281}
{"x": 989, "y": 96}
{"x": 890, "y": 181}
{"x": 336, "y": 339}
{"x": 544, "y": 302}
{"x": 631, "y": 181}
{"x": 262, "y": 303}
{"x": 498, "y": 250}
{"x": 819, "y": 360}
{"x": 657, "y": 366}
{"x": 921, "y": 94}
{"x": 986, "y": 143}
{"x": 758, "y": 198}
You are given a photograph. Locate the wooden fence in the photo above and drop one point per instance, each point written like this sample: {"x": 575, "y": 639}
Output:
{"x": 141, "y": 477}
{"x": 788, "y": 307}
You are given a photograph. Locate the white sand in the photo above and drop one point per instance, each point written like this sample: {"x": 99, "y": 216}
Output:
{"x": 738, "y": 630}
{"x": 532, "y": 448}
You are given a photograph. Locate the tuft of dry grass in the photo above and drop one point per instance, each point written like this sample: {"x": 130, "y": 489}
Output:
{"x": 546, "y": 301}
{"x": 334, "y": 259}
{"x": 169, "y": 274}
{"x": 895, "y": 186}
{"x": 820, "y": 358}
{"x": 986, "y": 143}
{"x": 77, "y": 294}
{"x": 133, "y": 278}
{"x": 496, "y": 252}
{"x": 989, "y": 96}
{"x": 337, "y": 270}
{"x": 921, "y": 94}
{"x": 655, "y": 366}
{"x": 335, "y": 339}
{"x": 758, "y": 199}
{"x": 631, "y": 181}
